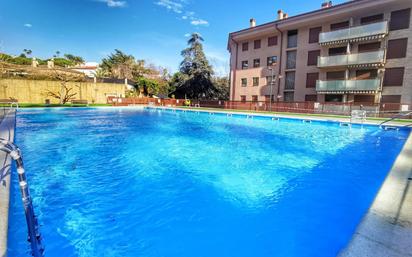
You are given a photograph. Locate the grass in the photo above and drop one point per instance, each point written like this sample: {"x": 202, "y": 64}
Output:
{"x": 298, "y": 114}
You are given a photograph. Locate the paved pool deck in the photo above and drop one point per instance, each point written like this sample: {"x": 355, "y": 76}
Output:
{"x": 7, "y": 128}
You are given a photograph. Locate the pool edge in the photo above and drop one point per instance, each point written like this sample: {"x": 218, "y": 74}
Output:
{"x": 7, "y": 129}
{"x": 386, "y": 229}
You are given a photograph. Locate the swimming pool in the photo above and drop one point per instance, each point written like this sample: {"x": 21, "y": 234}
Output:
{"x": 147, "y": 182}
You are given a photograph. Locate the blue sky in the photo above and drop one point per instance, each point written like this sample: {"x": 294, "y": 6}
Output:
{"x": 154, "y": 30}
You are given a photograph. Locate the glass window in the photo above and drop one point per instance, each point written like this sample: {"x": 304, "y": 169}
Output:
{"x": 254, "y": 98}
{"x": 255, "y": 81}
{"x": 290, "y": 59}
{"x": 290, "y": 80}
{"x": 272, "y": 60}
{"x": 245, "y": 65}
{"x": 314, "y": 34}
{"x": 292, "y": 38}
{"x": 256, "y": 63}
{"x": 288, "y": 96}
{"x": 243, "y": 98}
{"x": 269, "y": 80}
{"x": 400, "y": 19}
{"x": 244, "y": 82}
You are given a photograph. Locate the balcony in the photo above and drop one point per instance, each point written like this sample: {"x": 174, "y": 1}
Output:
{"x": 367, "y": 86}
{"x": 370, "y": 59}
{"x": 367, "y": 32}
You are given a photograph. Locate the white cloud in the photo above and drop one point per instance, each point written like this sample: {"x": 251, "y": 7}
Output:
{"x": 187, "y": 35}
{"x": 114, "y": 3}
{"x": 28, "y": 25}
{"x": 179, "y": 7}
{"x": 173, "y": 5}
{"x": 199, "y": 22}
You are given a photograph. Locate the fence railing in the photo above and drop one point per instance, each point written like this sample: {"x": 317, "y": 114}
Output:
{"x": 373, "y": 110}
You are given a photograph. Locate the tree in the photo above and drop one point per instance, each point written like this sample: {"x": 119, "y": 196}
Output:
{"x": 120, "y": 65}
{"x": 65, "y": 94}
{"x": 195, "y": 72}
{"x": 57, "y": 54}
{"x": 76, "y": 60}
{"x": 222, "y": 88}
{"x": 27, "y": 52}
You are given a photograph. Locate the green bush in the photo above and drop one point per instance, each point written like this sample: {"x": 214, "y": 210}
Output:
{"x": 21, "y": 60}
{"x": 62, "y": 62}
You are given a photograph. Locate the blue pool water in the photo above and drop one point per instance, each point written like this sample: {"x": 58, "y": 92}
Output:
{"x": 130, "y": 182}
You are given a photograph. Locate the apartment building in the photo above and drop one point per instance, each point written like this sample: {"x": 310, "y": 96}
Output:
{"x": 359, "y": 51}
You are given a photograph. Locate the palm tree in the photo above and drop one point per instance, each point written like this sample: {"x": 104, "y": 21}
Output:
{"x": 27, "y": 51}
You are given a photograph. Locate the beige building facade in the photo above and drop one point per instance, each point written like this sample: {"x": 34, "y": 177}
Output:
{"x": 359, "y": 51}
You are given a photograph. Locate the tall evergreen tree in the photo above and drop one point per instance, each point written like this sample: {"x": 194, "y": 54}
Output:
{"x": 196, "y": 71}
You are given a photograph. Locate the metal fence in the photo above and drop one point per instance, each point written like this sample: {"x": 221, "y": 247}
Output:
{"x": 373, "y": 110}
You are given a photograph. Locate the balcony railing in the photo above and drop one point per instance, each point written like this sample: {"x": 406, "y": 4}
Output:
{"x": 353, "y": 60}
{"x": 348, "y": 86}
{"x": 364, "y": 32}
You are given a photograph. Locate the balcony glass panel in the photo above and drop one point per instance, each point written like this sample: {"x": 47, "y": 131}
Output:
{"x": 351, "y": 59}
{"x": 354, "y": 32}
{"x": 348, "y": 85}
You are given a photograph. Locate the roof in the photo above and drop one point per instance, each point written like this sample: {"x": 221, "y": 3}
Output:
{"x": 302, "y": 15}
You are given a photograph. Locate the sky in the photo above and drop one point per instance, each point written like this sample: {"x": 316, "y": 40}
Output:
{"x": 154, "y": 30}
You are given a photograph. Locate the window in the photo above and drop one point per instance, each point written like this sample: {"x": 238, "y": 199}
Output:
{"x": 391, "y": 99}
{"x": 244, "y": 82}
{"x": 364, "y": 99}
{"x": 245, "y": 65}
{"x": 337, "y": 51}
{"x": 371, "y": 19}
{"x": 254, "y": 98}
{"x": 255, "y": 81}
{"x": 397, "y": 48}
{"x": 245, "y": 46}
{"x": 272, "y": 60}
{"x": 243, "y": 98}
{"x": 340, "y": 25}
{"x": 335, "y": 75}
{"x": 313, "y": 57}
{"x": 256, "y": 44}
{"x": 369, "y": 47}
{"x": 311, "y": 79}
{"x": 268, "y": 97}
{"x": 314, "y": 34}
{"x": 269, "y": 80}
{"x": 290, "y": 59}
{"x": 393, "y": 77}
{"x": 272, "y": 41}
{"x": 400, "y": 19}
{"x": 290, "y": 80}
{"x": 256, "y": 63}
{"x": 366, "y": 74}
{"x": 292, "y": 38}
{"x": 288, "y": 96}
{"x": 333, "y": 98}
{"x": 311, "y": 98}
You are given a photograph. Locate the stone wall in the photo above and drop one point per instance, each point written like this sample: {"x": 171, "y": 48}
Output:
{"x": 35, "y": 91}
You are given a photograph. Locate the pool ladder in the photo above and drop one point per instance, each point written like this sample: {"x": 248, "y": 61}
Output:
{"x": 34, "y": 237}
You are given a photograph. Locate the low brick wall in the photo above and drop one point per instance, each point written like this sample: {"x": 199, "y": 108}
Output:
{"x": 34, "y": 91}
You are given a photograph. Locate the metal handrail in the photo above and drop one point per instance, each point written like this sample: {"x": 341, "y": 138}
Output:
{"x": 34, "y": 237}
{"x": 398, "y": 115}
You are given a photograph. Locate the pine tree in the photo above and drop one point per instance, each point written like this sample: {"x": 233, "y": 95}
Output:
{"x": 196, "y": 70}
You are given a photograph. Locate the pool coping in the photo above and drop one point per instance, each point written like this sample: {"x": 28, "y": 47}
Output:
{"x": 7, "y": 130}
{"x": 285, "y": 116}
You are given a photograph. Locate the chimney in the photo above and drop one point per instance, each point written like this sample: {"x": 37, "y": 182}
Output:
{"x": 326, "y": 4}
{"x": 285, "y": 16}
{"x": 280, "y": 14}
{"x": 252, "y": 23}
